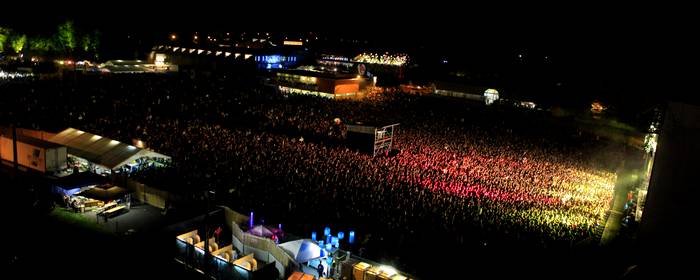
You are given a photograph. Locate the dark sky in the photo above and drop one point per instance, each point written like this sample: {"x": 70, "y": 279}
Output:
{"x": 627, "y": 52}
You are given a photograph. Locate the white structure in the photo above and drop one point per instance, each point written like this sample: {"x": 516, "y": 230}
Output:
{"x": 107, "y": 153}
{"x": 490, "y": 96}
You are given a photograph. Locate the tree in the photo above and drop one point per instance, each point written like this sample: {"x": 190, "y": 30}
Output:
{"x": 95, "y": 42}
{"x": 89, "y": 43}
{"x": 40, "y": 44}
{"x": 66, "y": 36}
{"x": 4, "y": 34}
{"x": 18, "y": 42}
{"x": 86, "y": 42}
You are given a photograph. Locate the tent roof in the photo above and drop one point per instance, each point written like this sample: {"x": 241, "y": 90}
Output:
{"x": 36, "y": 142}
{"x": 104, "y": 192}
{"x": 261, "y": 230}
{"x": 460, "y": 87}
{"x": 302, "y": 250}
{"x": 77, "y": 180}
{"x": 99, "y": 150}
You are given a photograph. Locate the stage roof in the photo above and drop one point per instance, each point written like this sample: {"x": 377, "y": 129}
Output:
{"x": 100, "y": 150}
{"x": 104, "y": 192}
{"x": 77, "y": 180}
{"x": 303, "y": 250}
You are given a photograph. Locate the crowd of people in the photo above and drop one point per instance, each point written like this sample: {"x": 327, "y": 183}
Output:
{"x": 466, "y": 171}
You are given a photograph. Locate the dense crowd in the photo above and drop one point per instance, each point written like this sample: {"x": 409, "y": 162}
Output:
{"x": 461, "y": 169}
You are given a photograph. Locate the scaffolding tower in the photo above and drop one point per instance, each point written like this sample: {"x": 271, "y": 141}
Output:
{"x": 383, "y": 138}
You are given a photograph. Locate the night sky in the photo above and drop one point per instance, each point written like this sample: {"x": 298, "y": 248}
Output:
{"x": 620, "y": 56}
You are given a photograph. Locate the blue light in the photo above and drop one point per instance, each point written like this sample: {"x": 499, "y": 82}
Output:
{"x": 251, "y": 219}
{"x": 327, "y": 231}
{"x": 272, "y": 58}
{"x": 341, "y": 235}
{"x": 313, "y": 235}
{"x": 334, "y": 241}
{"x": 351, "y": 238}
{"x": 71, "y": 192}
{"x": 269, "y": 66}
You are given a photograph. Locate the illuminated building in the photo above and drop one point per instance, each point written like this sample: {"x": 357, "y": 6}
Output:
{"x": 275, "y": 61}
{"x": 325, "y": 84}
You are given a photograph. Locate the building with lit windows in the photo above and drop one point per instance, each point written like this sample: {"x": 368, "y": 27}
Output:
{"x": 325, "y": 84}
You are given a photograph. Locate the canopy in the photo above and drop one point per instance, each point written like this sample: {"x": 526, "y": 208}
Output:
{"x": 104, "y": 192}
{"x": 303, "y": 250}
{"x": 81, "y": 179}
{"x": 261, "y": 231}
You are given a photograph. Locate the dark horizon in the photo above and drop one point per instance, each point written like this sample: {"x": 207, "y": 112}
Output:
{"x": 594, "y": 52}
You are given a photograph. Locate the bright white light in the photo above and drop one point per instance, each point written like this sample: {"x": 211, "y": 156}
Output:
{"x": 113, "y": 142}
{"x": 160, "y": 59}
{"x": 650, "y": 142}
{"x": 79, "y": 132}
{"x": 96, "y": 137}
{"x": 388, "y": 269}
{"x": 490, "y": 96}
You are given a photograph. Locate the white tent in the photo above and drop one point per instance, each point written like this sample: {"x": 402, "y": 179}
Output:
{"x": 100, "y": 150}
{"x": 261, "y": 231}
{"x": 303, "y": 250}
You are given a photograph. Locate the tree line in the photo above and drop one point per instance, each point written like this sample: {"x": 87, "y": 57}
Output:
{"x": 66, "y": 42}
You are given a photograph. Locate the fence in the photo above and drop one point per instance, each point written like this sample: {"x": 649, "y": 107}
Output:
{"x": 149, "y": 195}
